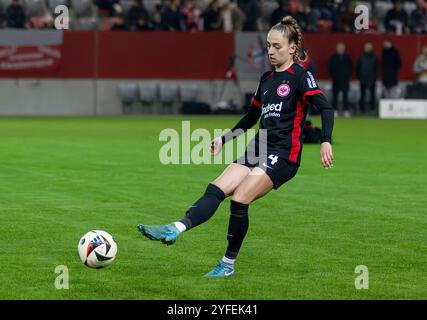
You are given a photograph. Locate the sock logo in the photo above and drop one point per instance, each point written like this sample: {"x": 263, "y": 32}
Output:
{"x": 272, "y": 107}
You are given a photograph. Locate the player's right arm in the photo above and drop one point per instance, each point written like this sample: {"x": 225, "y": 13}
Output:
{"x": 245, "y": 123}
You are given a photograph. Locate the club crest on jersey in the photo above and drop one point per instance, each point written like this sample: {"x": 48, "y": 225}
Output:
{"x": 283, "y": 90}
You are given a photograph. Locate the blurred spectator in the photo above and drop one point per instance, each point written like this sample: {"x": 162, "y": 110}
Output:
{"x": 302, "y": 15}
{"x": 172, "y": 18}
{"x": 282, "y": 11}
{"x": 232, "y": 18}
{"x": 192, "y": 16}
{"x": 418, "y": 18}
{"x": 420, "y": 66}
{"x": 337, "y": 7}
{"x": 252, "y": 11}
{"x": 396, "y": 19}
{"x": 345, "y": 21}
{"x": 108, "y": 8}
{"x": 390, "y": 66}
{"x": 340, "y": 68}
{"x": 118, "y": 23}
{"x": 41, "y": 22}
{"x": 374, "y": 20}
{"x": 367, "y": 71}
{"x": 246, "y": 15}
{"x": 323, "y": 7}
{"x": 156, "y": 22}
{"x": 211, "y": 17}
{"x": 320, "y": 10}
{"x": 137, "y": 17}
{"x": 15, "y": 15}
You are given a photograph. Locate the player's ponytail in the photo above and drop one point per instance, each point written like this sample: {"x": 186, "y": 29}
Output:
{"x": 290, "y": 29}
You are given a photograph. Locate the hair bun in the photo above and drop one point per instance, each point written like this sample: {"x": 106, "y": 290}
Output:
{"x": 288, "y": 20}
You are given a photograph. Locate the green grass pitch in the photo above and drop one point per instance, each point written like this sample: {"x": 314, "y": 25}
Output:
{"x": 61, "y": 177}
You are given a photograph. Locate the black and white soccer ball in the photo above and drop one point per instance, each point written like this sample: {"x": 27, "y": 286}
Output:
{"x": 97, "y": 249}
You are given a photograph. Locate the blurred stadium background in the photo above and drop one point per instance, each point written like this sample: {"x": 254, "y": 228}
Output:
{"x": 160, "y": 62}
{"x": 142, "y": 68}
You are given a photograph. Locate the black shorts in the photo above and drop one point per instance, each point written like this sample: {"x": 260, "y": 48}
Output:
{"x": 278, "y": 168}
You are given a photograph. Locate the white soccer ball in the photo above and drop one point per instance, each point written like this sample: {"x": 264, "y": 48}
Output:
{"x": 97, "y": 249}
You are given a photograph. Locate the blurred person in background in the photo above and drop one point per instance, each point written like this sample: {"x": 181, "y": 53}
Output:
{"x": 281, "y": 11}
{"x": 418, "y": 18}
{"x": 211, "y": 17}
{"x": 43, "y": 19}
{"x": 336, "y": 8}
{"x": 137, "y": 17}
{"x": 252, "y": 12}
{"x": 420, "y": 66}
{"x": 302, "y": 15}
{"x": 15, "y": 15}
{"x": 396, "y": 19}
{"x": 156, "y": 21}
{"x": 367, "y": 72}
{"x": 192, "y": 16}
{"x": 340, "y": 68}
{"x": 118, "y": 23}
{"x": 391, "y": 63}
{"x": 345, "y": 20}
{"x": 232, "y": 18}
{"x": 108, "y": 8}
{"x": 320, "y": 10}
{"x": 172, "y": 17}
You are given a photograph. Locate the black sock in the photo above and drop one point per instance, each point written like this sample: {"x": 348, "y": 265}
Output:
{"x": 237, "y": 228}
{"x": 204, "y": 208}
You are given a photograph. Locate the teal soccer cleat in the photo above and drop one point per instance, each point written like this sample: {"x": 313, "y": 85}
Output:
{"x": 221, "y": 270}
{"x": 166, "y": 233}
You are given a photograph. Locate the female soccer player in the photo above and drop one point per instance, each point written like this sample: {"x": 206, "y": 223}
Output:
{"x": 281, "y": 101}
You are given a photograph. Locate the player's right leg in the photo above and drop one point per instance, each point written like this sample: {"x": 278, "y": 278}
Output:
{"x": 203, "y": 209}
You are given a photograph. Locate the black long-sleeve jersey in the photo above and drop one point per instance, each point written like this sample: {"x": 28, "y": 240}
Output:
{"x": 281, "y": 101}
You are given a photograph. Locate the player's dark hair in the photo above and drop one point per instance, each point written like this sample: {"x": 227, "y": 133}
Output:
{"x": 290, "y": 29}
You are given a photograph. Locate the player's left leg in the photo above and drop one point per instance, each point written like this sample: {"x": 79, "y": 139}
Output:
{"x": 254, "y": 186}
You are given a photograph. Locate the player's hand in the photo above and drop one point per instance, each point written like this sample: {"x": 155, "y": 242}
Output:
{"x": 326, "y": 155}
{"x": 216, "y": 146}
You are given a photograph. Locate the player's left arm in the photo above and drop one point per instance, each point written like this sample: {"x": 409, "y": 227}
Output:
{"x": 312, "y": 94}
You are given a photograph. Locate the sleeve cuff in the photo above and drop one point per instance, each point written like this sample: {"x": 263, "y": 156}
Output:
{"x": 325, "y": 139}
